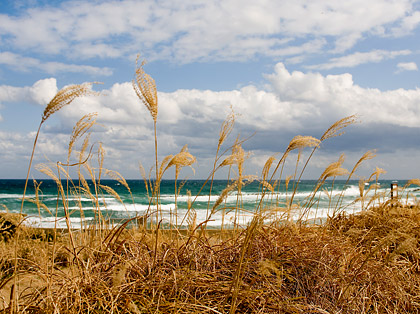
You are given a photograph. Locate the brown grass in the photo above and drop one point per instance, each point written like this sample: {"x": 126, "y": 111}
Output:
{"x": 363, "y": 263}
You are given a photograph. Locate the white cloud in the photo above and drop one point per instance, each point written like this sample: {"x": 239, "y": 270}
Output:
{"x": 293, "y": 103}
{"x": 358, "y": 58}
{"x": 408, "y": 24}
{"x": 43, "y": 91}
{"x": 345, "y": 42}
{"x": 92, "y": 50}
{"x": 40, "y": 93}
{"x": 10, "y": 93}
{"x": 313, "y": 46}
{"x": 334, "y": 96}
{"x": 188, "y": 31}
{"x": 15, "y": 151}
{"x": 21, "y": 63}
{"x": 14, "y": 147}
{"x": 407, "y": 66}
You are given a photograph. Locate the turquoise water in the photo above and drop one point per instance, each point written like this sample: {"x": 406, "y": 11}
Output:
{"x": 84, "y": 209}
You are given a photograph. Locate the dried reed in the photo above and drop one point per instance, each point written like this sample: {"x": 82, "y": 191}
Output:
{"x": 145, "y": 87}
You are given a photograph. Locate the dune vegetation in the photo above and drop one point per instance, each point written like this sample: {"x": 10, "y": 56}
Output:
{"x": 366, "y": 262}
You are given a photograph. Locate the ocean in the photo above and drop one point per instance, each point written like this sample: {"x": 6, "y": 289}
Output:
{"x": 84, "y": 209}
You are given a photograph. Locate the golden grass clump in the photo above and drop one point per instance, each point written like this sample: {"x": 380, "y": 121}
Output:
{"x": 337, "y": 267}
{"x": 362, "y": 263}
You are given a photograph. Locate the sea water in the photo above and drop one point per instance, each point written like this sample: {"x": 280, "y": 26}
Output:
{"x": 237, "y": 208}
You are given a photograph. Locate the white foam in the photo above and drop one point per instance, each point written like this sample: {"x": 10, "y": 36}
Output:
{"x": 14, "y": 196}
{"x": 51, "y": 222}
{"x": 250, "y": 199}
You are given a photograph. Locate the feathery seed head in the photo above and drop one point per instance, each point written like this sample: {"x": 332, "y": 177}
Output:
{"x": 145, "y": 87}
{"x": 378, "y": 171}
{"x": 84, "y": 148}
{"x": 192, "y": 219}
{"x": 163, "y": 167}
{"x": 267, "y": 167}
{"x": 230, "y": 160}
{"x": 65, "y": 96}
{"x": 362, "y": 186}
{"x": 334, "y": 130}
{"x": 413, "y": 182}
{"x": 286, "y": 182}
{"x": 117, "y": 177}
{"x": 112, "y": 192}
{"x": 180, "y": 160}
{"x": 101, "y": 157}
{"x": 45, "y": 169}
{"x": 335, "y": 169}
{"x": 81, "y": 127}
{"x": 299, "y": 142}
{"x": 143, "y": 175}
{"x": 226, "y": 128}
{"x": 237, "y": 157}
{"x": 223, "y": 195}
{"x": 366, "y": 156}
{"x": 336, "y": 172}
{"x": 267, "y": 186}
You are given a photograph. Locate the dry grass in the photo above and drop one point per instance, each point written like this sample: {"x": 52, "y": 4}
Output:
{"x": 363, "y": 263}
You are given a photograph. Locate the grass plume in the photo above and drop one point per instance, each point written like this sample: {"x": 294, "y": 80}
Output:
{"x": 145, "y": 88}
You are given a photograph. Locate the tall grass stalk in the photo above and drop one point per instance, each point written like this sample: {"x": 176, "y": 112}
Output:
{"x": 366, "y": 156}
{"x": 336, "y": 129}
{"x": 333, "y": 170}
{"x": 298, "y": 142}
{"x": 225, "y": 130}
{"x": 145, "y": 87}
{"x": 63, "y": 97}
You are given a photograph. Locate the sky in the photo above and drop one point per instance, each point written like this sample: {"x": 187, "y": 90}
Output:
{"x": 285, "y": 68}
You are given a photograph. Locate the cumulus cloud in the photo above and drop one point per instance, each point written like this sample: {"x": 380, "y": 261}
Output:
{"x": 292, "y": 103}
{"x": 336, "y": 95}
{"x": 189, "y": 31}
{"x": 40, "y": 93}
{"x": 407, "y": 66}
{"x": 15, "y": 151}
{"x": 358, "y": 58}
{"x": 11, "y": 145}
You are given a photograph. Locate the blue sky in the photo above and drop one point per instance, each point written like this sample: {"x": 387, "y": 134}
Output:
{"x": 285, "y": 67}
